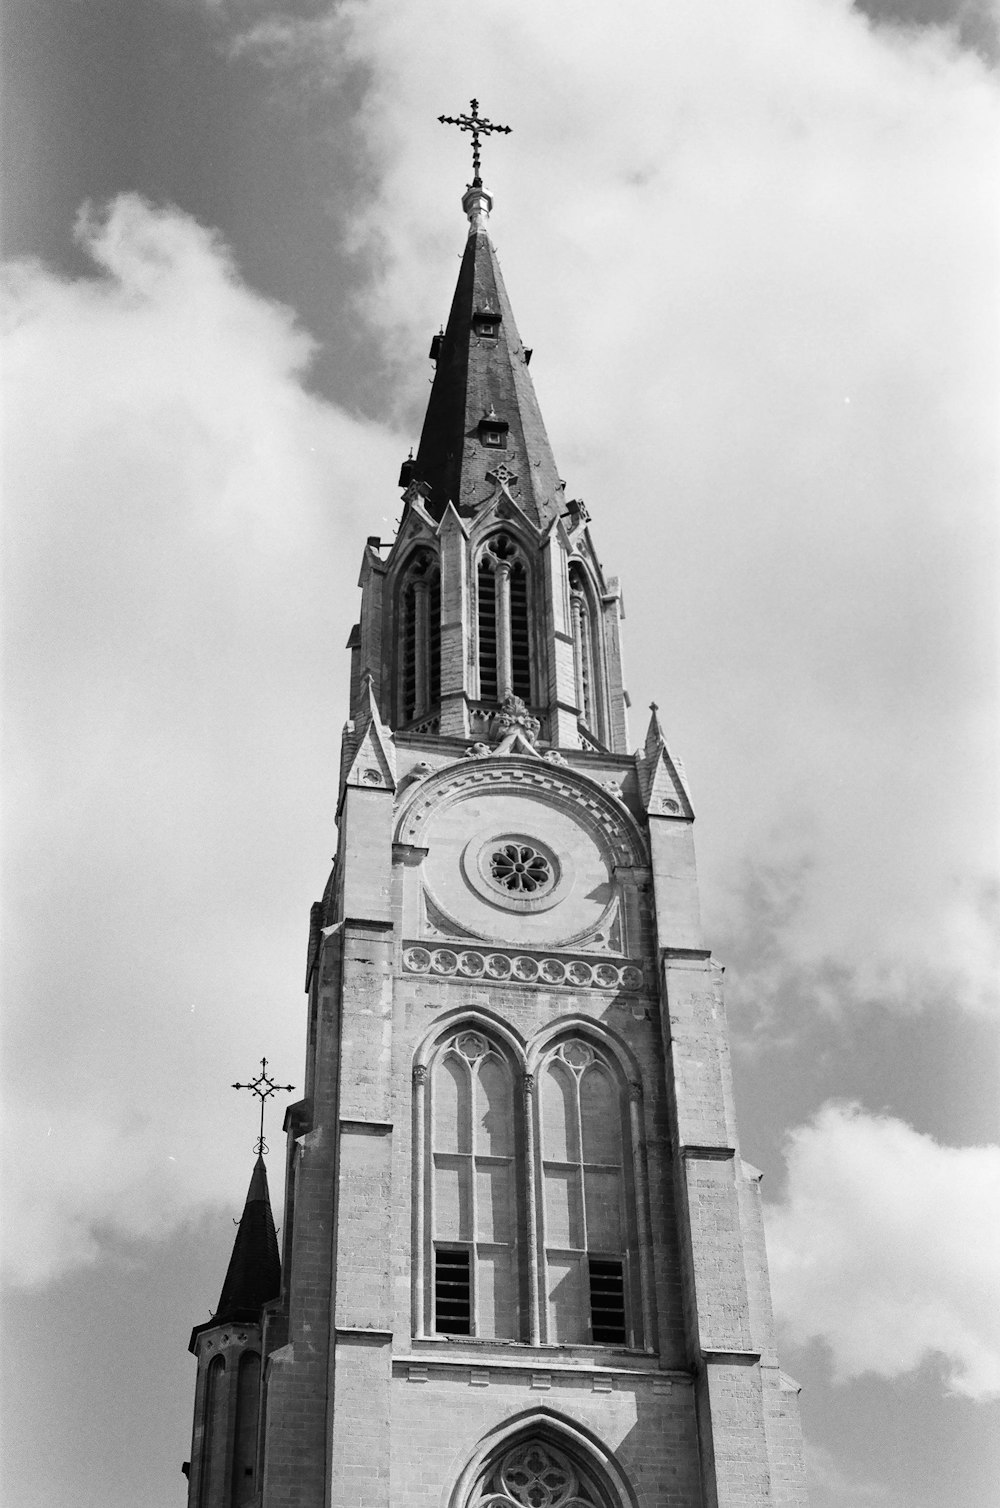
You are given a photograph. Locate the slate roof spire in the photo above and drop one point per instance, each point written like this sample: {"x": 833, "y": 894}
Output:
{"x": 482, "y": 408}
{"x": 254, "y": 1274}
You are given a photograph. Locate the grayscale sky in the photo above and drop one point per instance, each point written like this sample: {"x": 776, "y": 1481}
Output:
{"x": 754, "y": 247}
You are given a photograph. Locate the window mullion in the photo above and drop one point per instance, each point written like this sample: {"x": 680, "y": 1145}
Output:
{"x": 473, "y": 1207}
{"x": 421, "y": 645}
{"x": 423, "y": 1228}
{"x": 505, "y": 685}
{"x": 641, "y": 1223}
{"x": 535, "y": 1236}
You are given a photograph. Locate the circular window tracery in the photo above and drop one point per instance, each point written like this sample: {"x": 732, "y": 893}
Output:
{"x": 535, "y": 1476}
{"x": 520, "y": 868}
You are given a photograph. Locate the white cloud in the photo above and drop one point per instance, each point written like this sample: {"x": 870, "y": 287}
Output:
{"x": 174, "y": 498}
{"x": 884, "y": 1246}
{"x": 754, "y": 249}
{"x": 830, "y": 1486}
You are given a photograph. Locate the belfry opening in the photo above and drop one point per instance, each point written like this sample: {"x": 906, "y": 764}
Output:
{"x": 522, "y": 1261}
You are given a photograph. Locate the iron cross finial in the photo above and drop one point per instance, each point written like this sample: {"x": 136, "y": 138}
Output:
{"x": 475, "y": 123}
{"x": 263, "y": 1094}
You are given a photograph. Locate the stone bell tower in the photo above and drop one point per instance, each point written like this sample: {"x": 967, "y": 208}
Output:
{"x": 523, "y": 1258}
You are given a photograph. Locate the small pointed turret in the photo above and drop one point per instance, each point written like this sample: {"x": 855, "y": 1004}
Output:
{"x": 222, "y": 1470}
{"x": 254, "y": 1274}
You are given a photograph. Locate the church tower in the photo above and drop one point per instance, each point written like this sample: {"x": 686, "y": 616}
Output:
{"x": 523, "y": 1259}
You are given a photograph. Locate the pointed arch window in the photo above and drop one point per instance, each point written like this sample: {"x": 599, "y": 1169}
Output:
{"x": 528, "y": 1188}
{"x": 214, "y": 1448}
{"x": 592, "y": 1279}
{"x": 245, "y": 1443}
{"x": 504, "y": 621}
{"x": 585, "y": 649}
{"x": 474, "y": 1286}
{"x": 420, "y": 637}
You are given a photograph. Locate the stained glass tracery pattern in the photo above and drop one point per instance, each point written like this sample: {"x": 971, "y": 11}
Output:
{"x": 536, "y": 1475}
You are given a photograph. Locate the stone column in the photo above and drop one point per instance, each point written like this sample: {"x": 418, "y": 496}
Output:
{"x": 505, "y": 679}
{"x": 421, "y": 645}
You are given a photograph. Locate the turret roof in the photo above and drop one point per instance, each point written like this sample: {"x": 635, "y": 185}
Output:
{"x": 254, "y": 1275}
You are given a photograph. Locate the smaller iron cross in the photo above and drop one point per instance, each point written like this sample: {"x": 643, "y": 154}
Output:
{"x": 475, "y": 123}
{"x": 263, "y": 1094}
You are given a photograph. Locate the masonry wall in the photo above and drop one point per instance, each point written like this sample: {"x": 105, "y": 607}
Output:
{"x": 361, "y": 1413}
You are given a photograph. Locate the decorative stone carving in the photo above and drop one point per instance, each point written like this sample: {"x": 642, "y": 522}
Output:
{"x": 521, "y": 968}
{"x": 614, "y": 822}
{"x": 414, "y": 773}
{"x": 477, "y": 751}
{"x": 513, "y": 717}
{"x": 552, "y": 756}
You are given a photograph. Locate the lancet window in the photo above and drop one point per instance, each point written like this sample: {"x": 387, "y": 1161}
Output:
{"x": 420, "y": 637}
{"x": 585, "y": 647}
{"x": 590, "y": 1235}
{"x": 504, "y": 632}
{"x": 474, "y": 1287}
{"x": 529, "y": 1188}
{"x": 245, "y": 1442}
{"x": 214, "y": 1449}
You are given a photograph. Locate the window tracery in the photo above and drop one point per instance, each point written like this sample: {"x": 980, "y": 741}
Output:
{"x": 520, "y": 868}
{"x": 529, "y": 1195}
{"x": 536, "y": 1475}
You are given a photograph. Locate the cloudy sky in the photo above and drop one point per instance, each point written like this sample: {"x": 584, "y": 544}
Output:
{"x": 754, "y": 246}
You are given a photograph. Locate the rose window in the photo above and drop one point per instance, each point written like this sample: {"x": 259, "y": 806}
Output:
{"x": 535, "y": 1476}
{"x": 520, "y": 869}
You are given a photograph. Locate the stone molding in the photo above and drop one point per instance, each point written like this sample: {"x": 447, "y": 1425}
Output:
{"x": 505, "y": 966}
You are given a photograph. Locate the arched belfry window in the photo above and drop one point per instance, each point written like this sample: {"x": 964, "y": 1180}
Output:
{"x": 530, "y": 1209}
{"x": 537, "y": 1474}
{"x": 419, "y": 637}
{"x": 585, "y": 648}
{"x": 592, "y": 1280}
{"x": 471, "y": 1245}
{"x": 504, "y": 631}
{"x": 214, "y": 1448}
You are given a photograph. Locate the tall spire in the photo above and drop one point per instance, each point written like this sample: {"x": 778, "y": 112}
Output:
{"x": 482, "y": 408}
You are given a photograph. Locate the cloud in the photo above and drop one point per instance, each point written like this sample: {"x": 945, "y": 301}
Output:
{"x": 174, "y": 499}
{"x": 831, "y": 1487}
{"x": 973, "y": 23}
{"x": 884, "y": 1247}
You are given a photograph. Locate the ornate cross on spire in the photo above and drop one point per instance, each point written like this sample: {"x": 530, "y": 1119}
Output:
{"x": 263, "y": 1094}
{"x": 475, "y": 123}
